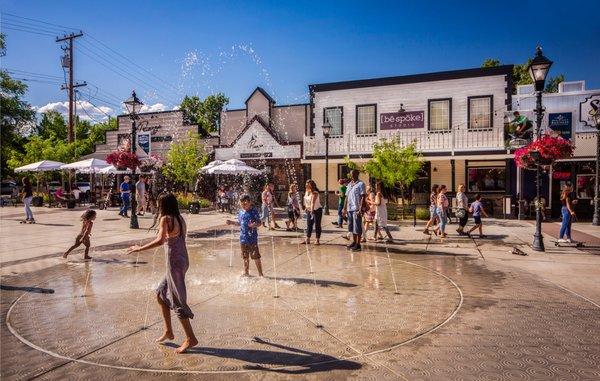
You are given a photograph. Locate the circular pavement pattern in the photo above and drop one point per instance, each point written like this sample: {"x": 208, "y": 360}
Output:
{"x": 326, "y": 309}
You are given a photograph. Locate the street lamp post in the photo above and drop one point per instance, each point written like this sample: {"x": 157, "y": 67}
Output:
{"x": 538, "y": 70}
{"x": 596, "y": 220}
{"x": 326, "y": 133}
{"x": 133, "y": 105}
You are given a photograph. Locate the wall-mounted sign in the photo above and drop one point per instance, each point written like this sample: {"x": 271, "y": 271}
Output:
{"x": 562, "y": 123}
{"x": 589, "y": 109}
{"x": 401, "y": 120}
{"x": 244, "y": 155}
{"x": 143, "y": 140}
{"x": 161, "y": 138}
{"x": 144, "y": 126}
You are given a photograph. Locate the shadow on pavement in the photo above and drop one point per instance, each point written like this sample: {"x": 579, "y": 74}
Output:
{"x": 320, "y": 282}
{"x": 37, "y": 290}
{"x": 308, "y": 362}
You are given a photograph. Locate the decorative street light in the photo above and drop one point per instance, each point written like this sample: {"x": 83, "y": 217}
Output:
{"x": 538, "y": 70}
{"x": 326, "y": 133}
{"x": 133, "y": 105}
{"x": 596, "y": 220}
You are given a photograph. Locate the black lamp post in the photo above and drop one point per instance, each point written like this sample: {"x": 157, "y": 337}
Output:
{"x": 596, "y": 220}
{"x": 326, "y": 133}
{"x": 133, "y": 105}
{"x": 538, "y": 70}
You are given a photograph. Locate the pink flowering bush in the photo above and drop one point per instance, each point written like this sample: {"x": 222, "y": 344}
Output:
{"x": 151, "y": 163}
{"x": 550, "y": 148}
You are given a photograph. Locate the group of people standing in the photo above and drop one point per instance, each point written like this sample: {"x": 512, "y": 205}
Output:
{"x": 143, "y": 202}
{"x": 439, "y": 210}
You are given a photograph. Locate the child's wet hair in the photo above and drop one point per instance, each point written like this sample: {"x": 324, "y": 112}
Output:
{"x": 245, "y": 198}
{"x": 88, "y": 215}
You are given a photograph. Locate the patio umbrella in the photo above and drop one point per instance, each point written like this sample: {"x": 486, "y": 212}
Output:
{"x": 40, "y": 166}
{"x": 211, "y": 165}
{"x": 233, "y": 167}
{"x": 87, "y": 166}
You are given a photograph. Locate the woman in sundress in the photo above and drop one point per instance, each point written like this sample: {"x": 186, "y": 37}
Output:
{"x": 171, "y": 293}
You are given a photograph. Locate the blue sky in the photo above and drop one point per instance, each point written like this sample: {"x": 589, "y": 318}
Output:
{"x": 200, "y": 47}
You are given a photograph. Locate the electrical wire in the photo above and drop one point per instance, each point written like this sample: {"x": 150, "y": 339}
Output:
{"x": 27, "y": 31}
{"x": 37, "y": 21}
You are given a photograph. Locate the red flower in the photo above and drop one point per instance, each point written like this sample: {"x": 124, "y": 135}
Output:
{"x": 550, "y": 148}
{"x": 123, "y": 159}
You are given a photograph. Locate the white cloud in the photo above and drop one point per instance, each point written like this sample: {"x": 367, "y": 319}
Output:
{"x": 176, "y": 108}
{"x": 85, "y": 110}
{"x": 153, "y": 108}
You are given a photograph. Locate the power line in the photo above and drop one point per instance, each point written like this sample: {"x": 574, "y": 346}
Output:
{"x": 24, "y": 72}
{"x": 28, "y": 31}
{"x": 38, "y": 21}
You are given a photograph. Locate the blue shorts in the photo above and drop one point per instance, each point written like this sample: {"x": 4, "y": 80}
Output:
{"x": 354, "y": 223}
{"x": 477, "y": 220}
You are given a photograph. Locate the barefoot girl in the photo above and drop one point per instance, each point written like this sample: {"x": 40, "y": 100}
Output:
{"x": 87, "y": 219}
{"x": 171, "y": 293}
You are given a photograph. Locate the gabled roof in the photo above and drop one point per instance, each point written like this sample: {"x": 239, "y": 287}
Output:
{"x": 414, "y": 78}
{"x": 263, "y": 92}
{"x": 258, "y": 119}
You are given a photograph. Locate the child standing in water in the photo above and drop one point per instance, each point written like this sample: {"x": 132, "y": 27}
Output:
{"x": 87, "y": 219}
{"x": 171, "y": 293}
{"x": 248, "y": 221}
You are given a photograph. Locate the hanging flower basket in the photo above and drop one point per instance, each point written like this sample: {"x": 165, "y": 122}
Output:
{"x": 152, "y": 163}
{"x": 544, "y": 152}
{"x": 123, "y": 160}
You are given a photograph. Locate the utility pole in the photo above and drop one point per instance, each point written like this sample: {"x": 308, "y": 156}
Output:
{"x": 67, "y": 62}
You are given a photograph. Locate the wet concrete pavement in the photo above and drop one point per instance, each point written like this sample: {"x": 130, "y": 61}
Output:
{"x": 418, "y": 309}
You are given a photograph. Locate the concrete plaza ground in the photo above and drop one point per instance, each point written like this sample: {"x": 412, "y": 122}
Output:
{"x": 417, "y": 309}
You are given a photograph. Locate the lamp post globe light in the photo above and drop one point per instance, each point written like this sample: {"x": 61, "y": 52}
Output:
{"x": 133, "y": 105}
{"x": 596, "y": 219}
{"x": 326, "y": 133}
{"x": 538, "y": 70}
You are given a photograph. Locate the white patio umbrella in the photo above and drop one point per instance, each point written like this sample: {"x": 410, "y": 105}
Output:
{"x": 211, "y": 165}
{"x": 112, "y": 169}
{"x": 40, "y": 166}
{"x": 233, "y": 167}
{"x": 87, "y": 166}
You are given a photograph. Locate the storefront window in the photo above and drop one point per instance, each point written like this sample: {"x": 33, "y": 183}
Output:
{"x": 439, "y": 114}
{"x": 480, "y": 112}
{"x": 487, "y": 179}
{"x": 335, "y": 117}
{"x": 585, "y": 186}
{"x": 366, "y": 120}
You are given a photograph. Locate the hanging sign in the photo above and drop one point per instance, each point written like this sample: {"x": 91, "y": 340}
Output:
{"x": 144, "y": 142}
{"x": 561, "y": 122}
{"x": 401, "y": 120}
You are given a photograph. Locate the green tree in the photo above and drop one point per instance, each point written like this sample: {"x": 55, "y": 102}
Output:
{"x": 205, "y": 114}
{"x": 52, "y": 126}
{"x": 490, "y": 62}
{"x": 16, "y": 114}
{"x": 521, "y": 75}
{"x": 184, "y": 160}
{"x": 552, "y": 85}
{"x": 394, "y": 164}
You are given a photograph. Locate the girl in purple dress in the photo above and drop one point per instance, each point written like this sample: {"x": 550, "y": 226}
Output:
{"x": 171, "y": 293}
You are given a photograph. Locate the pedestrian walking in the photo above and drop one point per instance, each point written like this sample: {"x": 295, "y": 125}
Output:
{"x": 27, "y": 198}
{"x": 341, "y": 193}
{"x": 568, "y": 213}
{"x": 432, "y": 209}
{"x": 381, "y": 200}
{"x": 369, "y": 217}
{"x": 140, "y": 189}
{"x": 462, "y": 206}
{"x": 442, "y": 211}
{"x": 353, "y": 208}
{"x": 477, "y": 210}
{"x": 125, "y": 189}
{"x": 314, "y": 212}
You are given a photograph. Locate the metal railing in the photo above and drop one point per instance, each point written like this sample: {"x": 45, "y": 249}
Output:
{"x": 461, "y": 140}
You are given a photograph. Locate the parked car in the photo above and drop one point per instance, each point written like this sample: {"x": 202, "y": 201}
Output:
{"x": 8, "y": 187}
{"x": 53, "y": 186}
{"x": 83, "y": 186}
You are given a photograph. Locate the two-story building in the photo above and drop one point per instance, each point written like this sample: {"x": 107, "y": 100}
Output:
{"x": 156, "y": 131}
{"x": 266, "y": 136}
{"x": 455, "y": 119}
{"x": 566, "y": 114}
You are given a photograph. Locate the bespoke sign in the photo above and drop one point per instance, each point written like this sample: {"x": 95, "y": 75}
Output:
{"x": 401, "y": 120}
{"x": 562, "y": 123}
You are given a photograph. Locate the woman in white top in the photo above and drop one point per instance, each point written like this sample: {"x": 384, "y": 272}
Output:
{"x": 381, "y": 201}
{"x": 462, "y": 207}
{"x": 314, "y": 211}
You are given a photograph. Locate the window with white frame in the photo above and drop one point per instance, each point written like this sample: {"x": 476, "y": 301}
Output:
{"x": 440, "y": 112}
{"x": 366, "y": 119}
{"x": 480, "y": 112}
{"x": 335, "y": 116}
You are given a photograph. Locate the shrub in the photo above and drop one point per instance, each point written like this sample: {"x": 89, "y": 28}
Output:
{"x": 184, "y": 200}
{"x": 422, "y": 214}
{"x": 204, "y": 203}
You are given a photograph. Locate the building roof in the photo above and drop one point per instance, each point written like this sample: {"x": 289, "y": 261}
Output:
{"x": 263, "y": 92}
{"x": 413, "y": 78}
{"x": 266, "y": 126}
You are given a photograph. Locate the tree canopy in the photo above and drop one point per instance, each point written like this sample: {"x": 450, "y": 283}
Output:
{"x": 205, "y": 113}
{"x": 184, "y": 159}
{"x": 521, "y": 75}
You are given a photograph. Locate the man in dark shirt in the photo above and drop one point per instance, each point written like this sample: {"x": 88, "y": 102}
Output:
{"x": 125, "y": 190}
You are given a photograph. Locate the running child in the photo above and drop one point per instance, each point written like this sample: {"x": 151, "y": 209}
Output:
{"x": 87, "y": 222}
{"x": 477, "y": 210}
{"x": 248, "y": 221}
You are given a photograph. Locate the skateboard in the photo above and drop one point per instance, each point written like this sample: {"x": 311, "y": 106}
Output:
{"x": 27, "y": 222}
{"x": 568, "y": 244}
